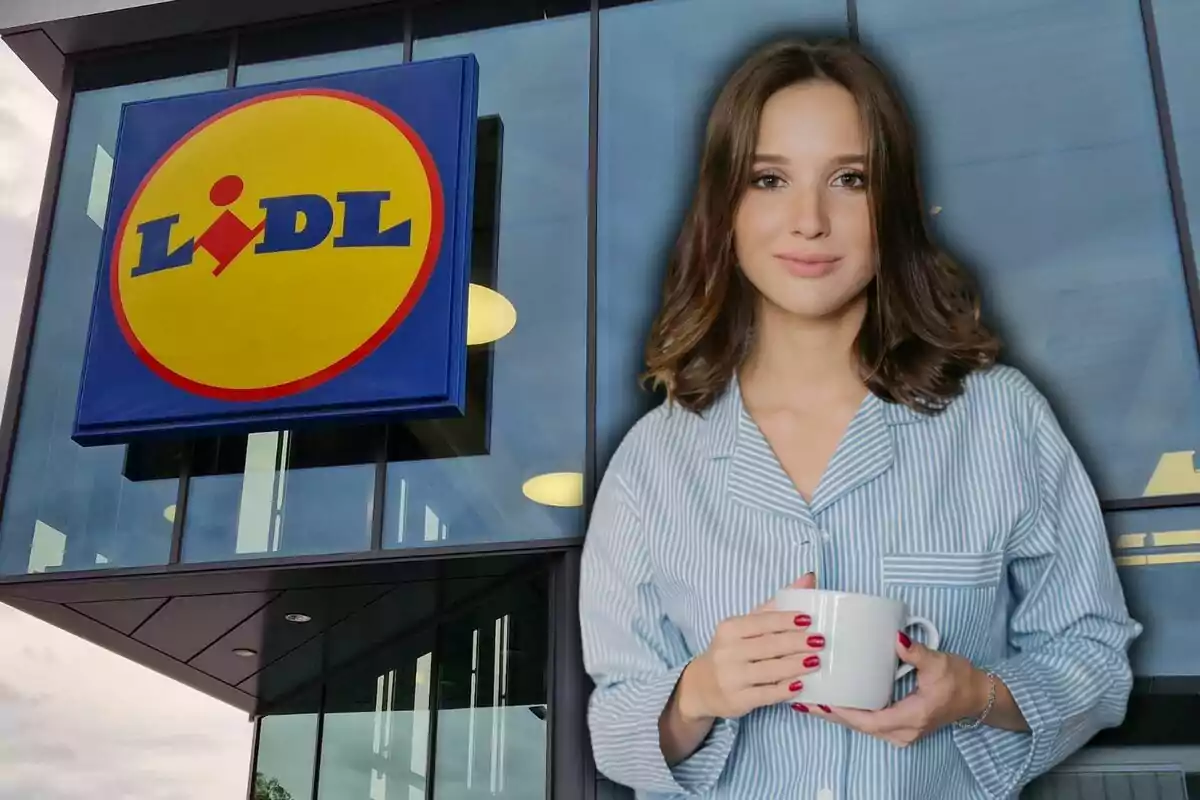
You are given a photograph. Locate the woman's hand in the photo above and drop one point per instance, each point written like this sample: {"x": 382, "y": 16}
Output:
{"x": 949, "y": 688}
{"x": 752, "y": 661}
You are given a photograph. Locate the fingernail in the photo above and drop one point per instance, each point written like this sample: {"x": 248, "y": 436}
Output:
{"x": 905, "y": 641}
{"x": 826, "y": 709}
{"x": 816, "y": 641}
{"x": 796, "y": 686}
{"x": 803, "y": 620}
{"x": 803, "y": 709}
{"x": 812, "y": 661}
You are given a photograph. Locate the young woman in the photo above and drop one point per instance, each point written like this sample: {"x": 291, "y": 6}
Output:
{"x": 834, "y": 409}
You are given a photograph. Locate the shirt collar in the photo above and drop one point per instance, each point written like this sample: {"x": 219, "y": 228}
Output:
{"x": 722, "y": 417}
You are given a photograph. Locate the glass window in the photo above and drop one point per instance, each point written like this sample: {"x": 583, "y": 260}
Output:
{"x": 287, "y": 748}
{"x": 354, "y": 41}
{"x": 1046, "y": 176}
{"x": 282, "y": 494}
{"x": 534, "y": 79}
{"x": 655, "y": 92}
{"x": 69, "y": 507}
{"x": 491, "y": 721}
{"x": 1158, "y": 555}
{"x": 461, "y": 704}
{"x": 304, "y": 492}
{"x": 377, "y": 732}
{"x": 1178, "y": 26}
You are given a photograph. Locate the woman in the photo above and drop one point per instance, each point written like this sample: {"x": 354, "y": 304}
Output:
{"x": 834, "y": 409}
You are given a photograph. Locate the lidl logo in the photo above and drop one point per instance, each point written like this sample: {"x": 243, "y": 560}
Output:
{"x": 239, "y": 234}
{"x": 295, "y": 251}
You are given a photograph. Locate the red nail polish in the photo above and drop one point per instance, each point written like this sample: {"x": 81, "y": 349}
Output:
{"x": 816, "y": 641}
{"x": 803, "y": 709}
{"x": 803, "y": 620}
{"x": 795, "y": 686}
{"x": 826, "y": 709}
{"x": 812, "y": 661}
{"x": 905, "y": 641}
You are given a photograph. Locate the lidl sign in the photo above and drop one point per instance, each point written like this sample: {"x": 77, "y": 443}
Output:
{"x": 284, "y": 253}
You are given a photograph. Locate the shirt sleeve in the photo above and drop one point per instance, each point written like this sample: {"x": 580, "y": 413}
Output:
{"x": 635, "y": 656}
{"x": 1069, "y": 631}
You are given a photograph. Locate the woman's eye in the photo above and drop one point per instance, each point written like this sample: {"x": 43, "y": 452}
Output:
{"x": 851, "y": 180}
{"x": 767, "y": 181}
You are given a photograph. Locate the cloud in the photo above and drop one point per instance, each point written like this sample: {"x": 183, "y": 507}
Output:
{"x": 76, "y": 720}
{"x": 84, "y": 722}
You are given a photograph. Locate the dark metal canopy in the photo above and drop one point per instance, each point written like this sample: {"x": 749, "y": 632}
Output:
{"x": 225, "y": 630}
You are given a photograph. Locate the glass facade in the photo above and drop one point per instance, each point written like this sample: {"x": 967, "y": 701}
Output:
{"x": 537, "y": 407}
{"x": 68, "y": 507}
{"x": 453, "y": 710}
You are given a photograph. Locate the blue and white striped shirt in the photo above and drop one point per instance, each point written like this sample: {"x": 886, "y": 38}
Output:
{"x": 981, "y": 518}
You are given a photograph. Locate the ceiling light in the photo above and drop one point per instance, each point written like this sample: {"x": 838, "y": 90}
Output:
{"x": 244, "y": 652}
{"x": 298, "y": 618}
{"x": 559, "y": 489}
{"x": 169, "y": 513}
{"x": 489, "y": 315}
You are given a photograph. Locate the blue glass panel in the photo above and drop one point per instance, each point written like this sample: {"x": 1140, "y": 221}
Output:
{"x": 323, "y": 64}
{"x": 534, "y": 77}
{"x": 1158, "y": 555}
{"x": 1178, "y": 25}
{"x": 661, "y": 65}
{"x": 68, "y": 507}
{"x": 1044, "y": 159}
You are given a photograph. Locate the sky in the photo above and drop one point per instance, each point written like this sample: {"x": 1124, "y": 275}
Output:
{"x": 76, "y": 720}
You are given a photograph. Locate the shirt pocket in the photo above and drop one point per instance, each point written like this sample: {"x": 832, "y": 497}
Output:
{"x": 956, "y": 591}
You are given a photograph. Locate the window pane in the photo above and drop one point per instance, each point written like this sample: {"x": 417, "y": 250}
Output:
{"x": 282, "y": 494}
{"x": 660, "y": 66}
{"x": 536, "y": 400}
{"x": 287, "y": 747}
{"x": 68, "y": 507}
{"x": 1178, "y": 25}
{"x": 1158, "y": 553}
{"x": 376, "y": 738}
{"x": 1045, "y": 160}
{"x": 491, "y": 725}
{"x": 289, "y": 493}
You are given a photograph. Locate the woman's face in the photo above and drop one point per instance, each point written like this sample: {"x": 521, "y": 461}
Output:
{"x": 803, "y": 231}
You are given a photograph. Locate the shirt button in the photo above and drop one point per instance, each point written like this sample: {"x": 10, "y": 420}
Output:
{"x": 825, "y": 794}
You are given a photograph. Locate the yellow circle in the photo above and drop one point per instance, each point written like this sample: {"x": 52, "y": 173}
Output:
{"x": 277, "y": 322}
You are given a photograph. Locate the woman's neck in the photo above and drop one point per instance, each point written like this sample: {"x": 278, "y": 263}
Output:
{"x": 797, "y": 362}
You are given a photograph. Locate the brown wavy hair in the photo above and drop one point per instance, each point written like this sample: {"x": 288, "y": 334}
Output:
{"x": 922, "y": 335}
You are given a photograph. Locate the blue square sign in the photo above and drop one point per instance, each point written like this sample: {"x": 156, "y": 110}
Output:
{"x": 284, "y": 253}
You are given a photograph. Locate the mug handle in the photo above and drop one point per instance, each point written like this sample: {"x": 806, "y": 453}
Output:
{"x": 932, "y": 640}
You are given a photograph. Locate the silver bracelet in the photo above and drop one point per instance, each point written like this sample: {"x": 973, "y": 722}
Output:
{"x": 967, "y": 725}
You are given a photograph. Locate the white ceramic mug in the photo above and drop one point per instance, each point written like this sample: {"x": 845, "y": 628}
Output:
{"x": 859, "y": 662}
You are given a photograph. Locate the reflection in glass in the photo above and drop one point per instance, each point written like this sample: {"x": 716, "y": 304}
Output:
{"x": 376, "y": 737}
{"x": 282, "y": 494}
{"x": 68, "y": 507}
{"x": 1158, "y": 557}
{"x": 1054, "y": 193}
{"x": 491, "y": 725}
{"x": 286, "y": 752}
{"x": 537, "y": 227}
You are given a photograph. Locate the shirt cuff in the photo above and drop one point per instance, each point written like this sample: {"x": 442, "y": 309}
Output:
{"x": 636, "y": 747}
{"x": 1004, "y": 761}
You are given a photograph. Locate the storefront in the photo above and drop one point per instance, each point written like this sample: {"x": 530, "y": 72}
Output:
{"x": 393, "y": 598}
